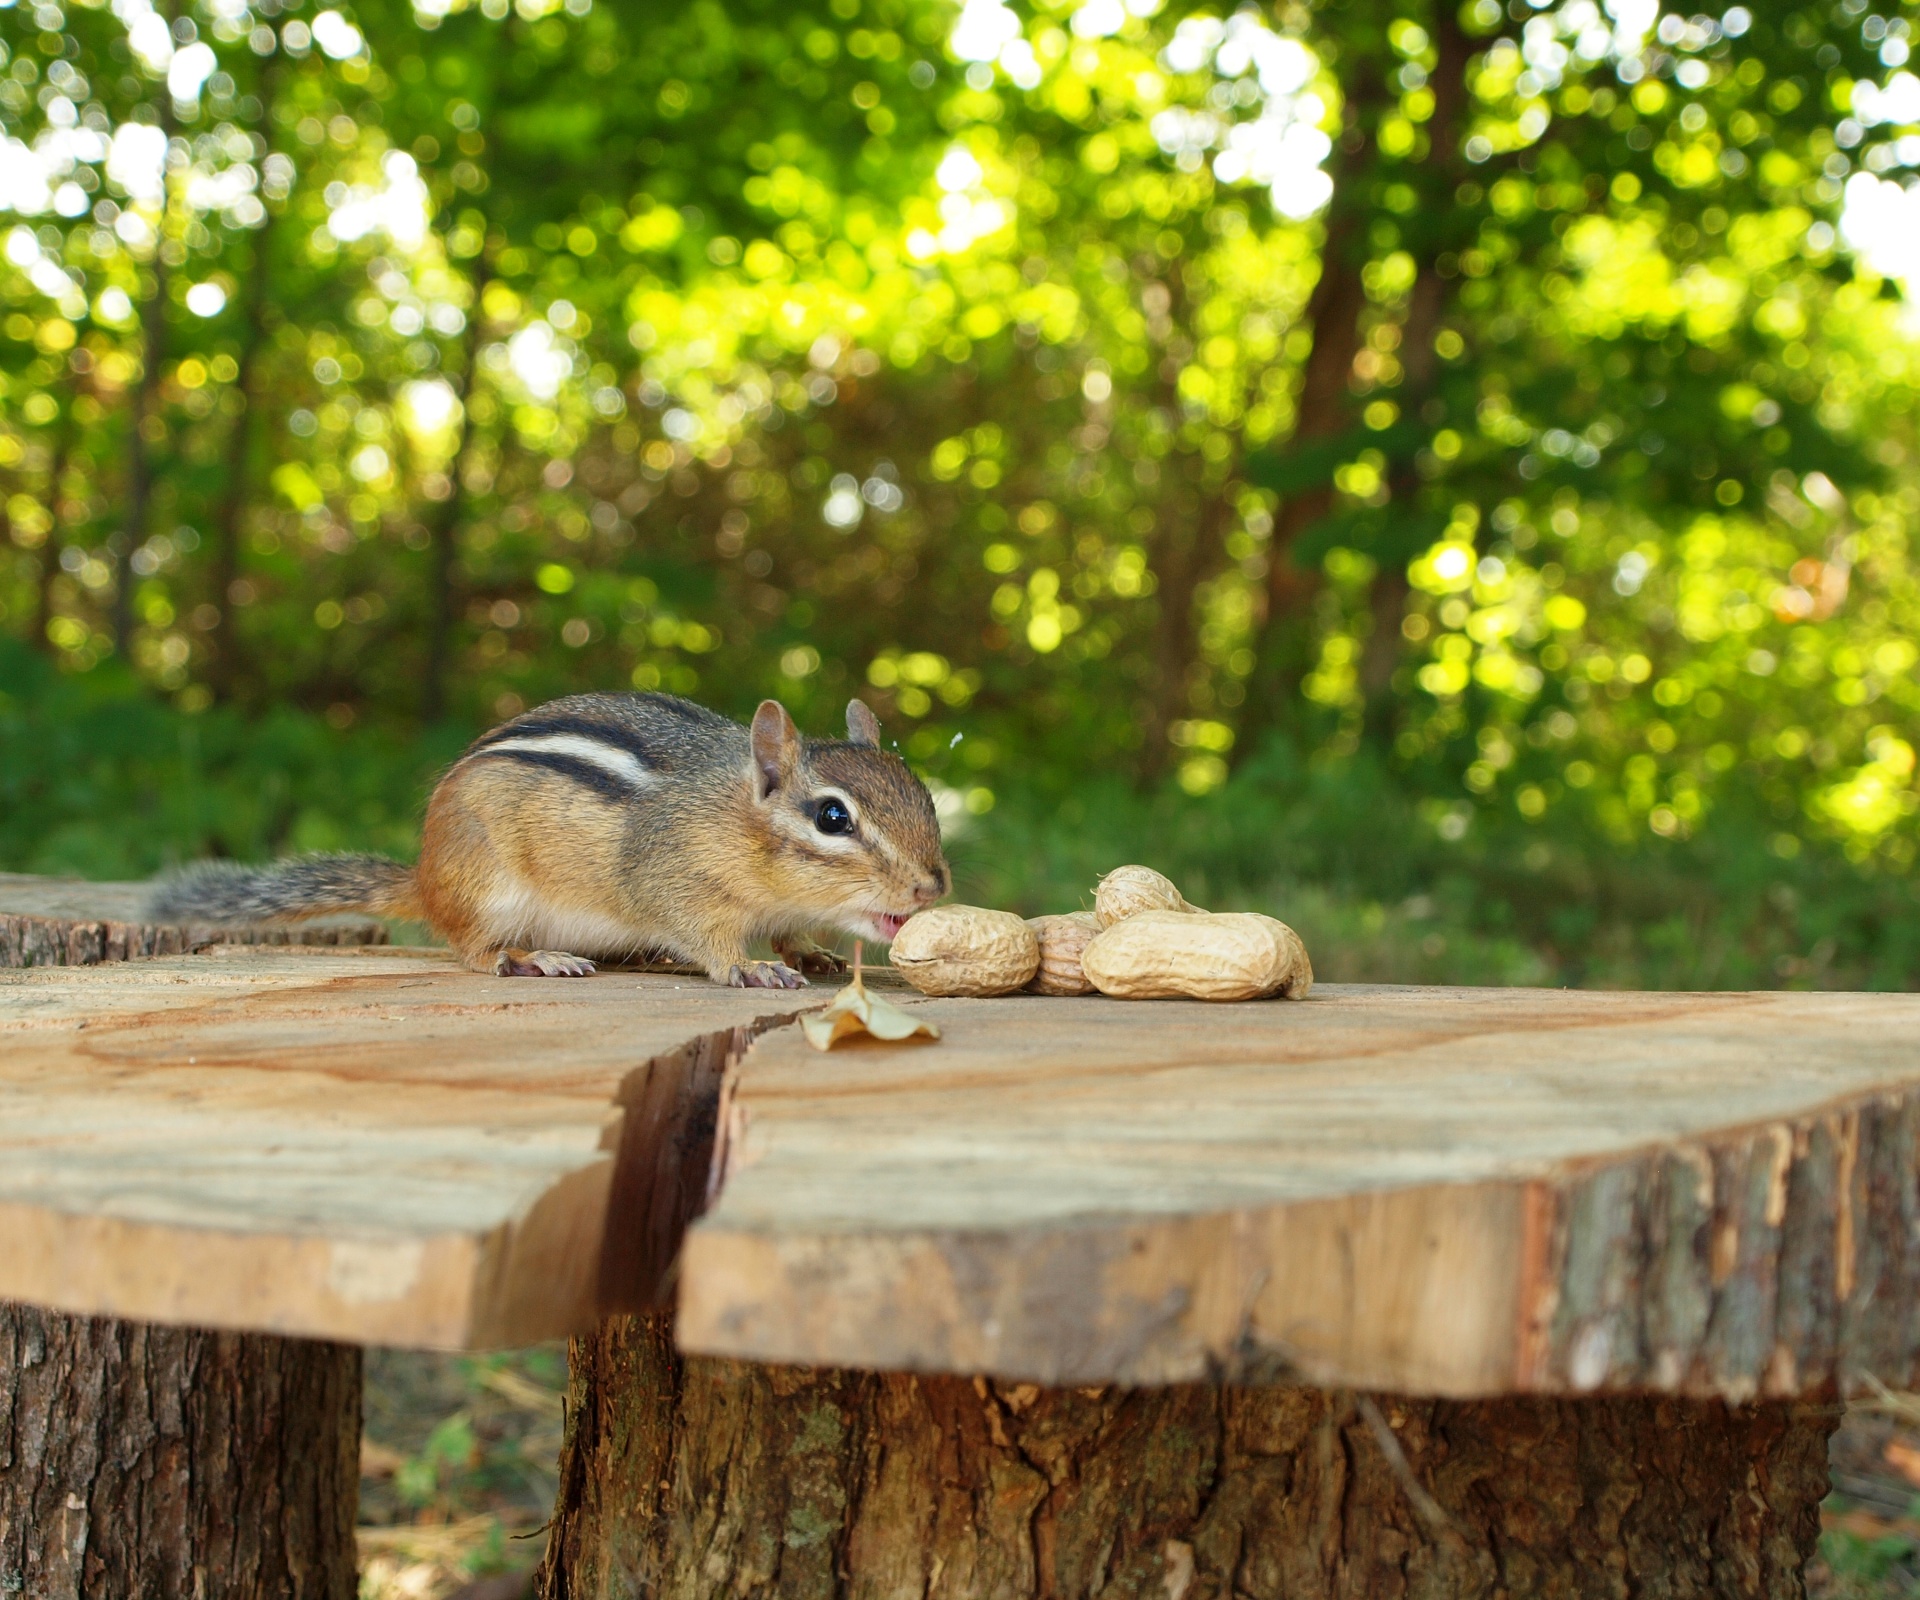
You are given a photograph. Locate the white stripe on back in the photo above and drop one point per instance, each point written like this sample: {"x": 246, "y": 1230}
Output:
{"x": 621, "y": 763}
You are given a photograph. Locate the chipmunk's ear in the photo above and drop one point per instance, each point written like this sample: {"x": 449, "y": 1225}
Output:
{"x": 863, "y": 727}
{"x": 776, "y": 748}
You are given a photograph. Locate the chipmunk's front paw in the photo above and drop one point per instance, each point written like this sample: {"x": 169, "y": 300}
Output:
{"x": 764, "y": 975}
{"x": 541, "y": 964}
{"x": 808, "y": 957}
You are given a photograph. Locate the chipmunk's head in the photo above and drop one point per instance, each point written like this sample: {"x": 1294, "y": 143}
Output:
{"x": 854, "y": 840}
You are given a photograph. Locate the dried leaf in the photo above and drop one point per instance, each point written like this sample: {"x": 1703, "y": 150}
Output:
{"x": 1905, "y": 1460}
{"x": 853, "y": 1012}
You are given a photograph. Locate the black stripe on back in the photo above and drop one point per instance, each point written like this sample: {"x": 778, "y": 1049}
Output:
{"x": 686, "y": 710}
{"x": 593, "y": 777}
{"x": 609, "y": 734}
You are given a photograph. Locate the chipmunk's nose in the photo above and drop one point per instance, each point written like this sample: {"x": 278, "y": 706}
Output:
{"x": 930, "y": 891}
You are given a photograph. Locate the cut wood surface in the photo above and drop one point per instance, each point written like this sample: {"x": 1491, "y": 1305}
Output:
{"x": 371, "y": 1145}
{"x": 69, "y": 922}
{"x": 169, "y": 1462}
{"x": 1461, "y": 1192}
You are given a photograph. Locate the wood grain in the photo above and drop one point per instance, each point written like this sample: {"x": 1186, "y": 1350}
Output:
{"x": 68, "y": 922}
{"x": 127, "y": 1448}
{"x": 369, "y": 1145}
{"x": 687, "y": 1478}
{"x": 1455, "y": 1192}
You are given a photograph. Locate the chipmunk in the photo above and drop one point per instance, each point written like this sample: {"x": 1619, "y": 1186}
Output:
{"x": 617, "y": 825}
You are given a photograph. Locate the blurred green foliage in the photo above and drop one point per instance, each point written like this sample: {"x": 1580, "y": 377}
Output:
{"x": 1446, "y": 474}
{"x": 1858, "y": 1568}
{"x": 457, "y": 1466}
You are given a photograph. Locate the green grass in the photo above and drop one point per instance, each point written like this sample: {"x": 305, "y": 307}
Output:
{"x": 1850, "y": 1567}
{"x": 458, "y": 1466}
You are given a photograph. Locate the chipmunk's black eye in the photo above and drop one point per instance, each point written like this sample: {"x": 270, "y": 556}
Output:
{"x": 833, "y": 817}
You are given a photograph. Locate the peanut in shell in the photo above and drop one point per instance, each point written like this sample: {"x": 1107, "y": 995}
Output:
{"x": 1128, "y": 891}
{"x": 1062, "y": 939}
{"x": 966, "y": 950}
{"x": 1166, "y": 955}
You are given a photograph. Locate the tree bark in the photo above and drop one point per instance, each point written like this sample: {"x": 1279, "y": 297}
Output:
{"x": 700, "y": 1477}
{"x": 35, "y": 941}
{"x": 51, "y": 922}
{"x": 174, "y": 1462}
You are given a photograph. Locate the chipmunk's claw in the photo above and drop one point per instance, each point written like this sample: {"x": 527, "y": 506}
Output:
{"x": 811, "y": 959}
{"x": 764, "y": 975}
{"x": 541, "y": 964}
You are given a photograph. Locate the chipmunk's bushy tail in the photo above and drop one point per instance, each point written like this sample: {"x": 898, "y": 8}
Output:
{"x": 285, "y": 891}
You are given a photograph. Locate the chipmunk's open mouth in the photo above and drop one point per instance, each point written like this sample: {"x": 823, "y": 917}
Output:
{"x": 887, "y": 925}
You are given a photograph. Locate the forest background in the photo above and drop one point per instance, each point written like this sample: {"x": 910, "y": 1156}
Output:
{"x": 1446, "y": 476}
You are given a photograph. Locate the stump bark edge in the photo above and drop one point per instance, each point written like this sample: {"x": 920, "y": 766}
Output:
{"x": 686, "y": 1478}
{"x": 174, "y": 1463}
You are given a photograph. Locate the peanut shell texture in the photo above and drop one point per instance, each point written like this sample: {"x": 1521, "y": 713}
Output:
{"x": 1166, "y": 955}
{"x": 1062, "y": 940}
{"x": 1128, "y": 891}
{"x": 966, "y": 950}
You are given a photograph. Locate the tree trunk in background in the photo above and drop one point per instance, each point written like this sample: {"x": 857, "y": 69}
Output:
{"x": 49, "y": 552}
{"x": 1380, "y": 653}
{"x": 442, "y": 533}
{"x": 1324, "y": 412}
{"x": 695, "y": 1478}
{"x": 1191, "y": 534}
{"x": 223, "y": 642}
{"x": 1182, "y": 562}
{"x": 1427, "y": 307}
{"x": 1282, "y": 645}
{"x": 1387, "y": 599}
{"x": 443, "y": 528}
{"x": 146, "y": 408}
{"x": 228, "y": 526}
{"x": 133, "y": 532}
{"x": 1447, "y": 127}
{"x": 174, "y": 1463}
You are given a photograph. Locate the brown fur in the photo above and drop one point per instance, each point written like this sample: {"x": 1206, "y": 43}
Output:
{"x": 618, "y": 825}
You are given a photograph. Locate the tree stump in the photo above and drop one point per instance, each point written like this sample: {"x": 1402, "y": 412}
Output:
{"x": 67, "y": 922}
{"x": 370, "y": 1145}
{"x": 138, "y": 1460}
{"x": 144, "y": 1460}
{"x": 685, "y": 1478}
{"x": 1627, "y": 1247}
